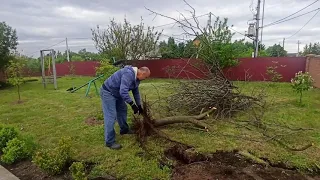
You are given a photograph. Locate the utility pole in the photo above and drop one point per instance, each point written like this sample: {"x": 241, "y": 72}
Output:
{"x": 283, "y": 43}
{"x": 264, "y": 2}
{"x": 257, "y": 29}
{"x": 298, "y": 48}
{"x": 67, "y": 50}
{"x": 209, "y": 23}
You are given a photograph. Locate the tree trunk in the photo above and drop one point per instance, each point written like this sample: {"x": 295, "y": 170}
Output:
{"x": 19, "y": 93}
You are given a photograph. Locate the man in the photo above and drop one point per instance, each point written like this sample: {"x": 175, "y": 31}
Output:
{"x": 115, "y": 97}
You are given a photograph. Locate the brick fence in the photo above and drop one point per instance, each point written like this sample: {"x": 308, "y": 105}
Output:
{"x": 313, "y": 67}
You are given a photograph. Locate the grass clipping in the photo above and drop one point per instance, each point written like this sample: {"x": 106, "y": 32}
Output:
{"x": 145, "y": 125}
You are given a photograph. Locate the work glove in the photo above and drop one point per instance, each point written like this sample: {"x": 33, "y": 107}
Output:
{"x": 134, "y": 108}
{"x": 140, "y": 109}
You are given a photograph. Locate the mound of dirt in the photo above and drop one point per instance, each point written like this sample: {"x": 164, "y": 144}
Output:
{"x": 191, "y": 165}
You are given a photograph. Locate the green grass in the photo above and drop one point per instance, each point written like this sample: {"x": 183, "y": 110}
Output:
{"x": 48, "y": 114}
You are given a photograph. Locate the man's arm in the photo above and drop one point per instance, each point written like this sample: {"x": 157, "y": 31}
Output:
{"x": 124, "y": 88}
{"x": 136, "y": 95}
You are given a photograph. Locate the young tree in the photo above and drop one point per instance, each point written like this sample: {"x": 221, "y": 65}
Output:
{"x": 125, "y": 41}
{"x": 14, "y": 72}
{"x": 8, "y": 43}
{"x": 302, "y": 82}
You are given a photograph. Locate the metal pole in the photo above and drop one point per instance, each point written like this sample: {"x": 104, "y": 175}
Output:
{"x": 298, "y": 48}
{"x": 68, "y": 58}
{"x": 283, "y": 43}
{"x": 209, "y": 23}
{"x": 43, "y": 70}
{"x": 257, "y": 29}
{"x": 264, "y": 1}
{"x": 54, "y": 70}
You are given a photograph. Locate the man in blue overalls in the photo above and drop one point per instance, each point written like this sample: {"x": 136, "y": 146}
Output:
{"x": 115, "y": 97}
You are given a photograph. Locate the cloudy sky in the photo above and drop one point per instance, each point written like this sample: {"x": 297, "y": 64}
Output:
{"x": 44, "y": 23}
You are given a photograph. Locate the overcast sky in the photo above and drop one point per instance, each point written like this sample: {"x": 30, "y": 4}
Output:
{"x": 43, "y": 23}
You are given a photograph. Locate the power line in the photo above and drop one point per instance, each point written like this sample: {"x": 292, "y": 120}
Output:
{"x": 271, "y": 24}
{"x": 294, "y": 13}
{"x": 304, "y": 25}
{"x": 47, "y": 47}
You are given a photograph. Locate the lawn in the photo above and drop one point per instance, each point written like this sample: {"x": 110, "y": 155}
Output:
{"x": 48, "y": 114}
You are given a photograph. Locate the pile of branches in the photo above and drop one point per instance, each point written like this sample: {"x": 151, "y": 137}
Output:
{"x": 213, "y": 91}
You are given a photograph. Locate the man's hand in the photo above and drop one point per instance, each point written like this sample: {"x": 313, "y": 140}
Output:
{"x": 134, "y": 108}
{"x": 140, "y": 109}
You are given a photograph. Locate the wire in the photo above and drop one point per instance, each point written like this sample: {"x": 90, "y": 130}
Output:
{"x": 47, "y": 47}
{"x": 304, "y": 25}
{"x": 271, "y": 24}
{"x": 295, "y": 12}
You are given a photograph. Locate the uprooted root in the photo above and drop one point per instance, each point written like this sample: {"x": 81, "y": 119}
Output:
{"x": 147, "y": 125}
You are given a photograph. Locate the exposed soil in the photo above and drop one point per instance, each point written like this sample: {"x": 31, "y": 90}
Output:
{"x": 26, "y": 170}
{"x": 92, "y": 121}
{"x": 17, "y": 102}
{"x": 190, "y": 165}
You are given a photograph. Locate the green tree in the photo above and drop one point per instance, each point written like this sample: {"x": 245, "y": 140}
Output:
{"x": 8, "y": 44}
{"x": 14, "y": 71}
{"x": 276, "y": 51}
{"x": 125, "y": 41}
{"x": 215, "y": 46}
{"x": 311, "y": 49}
{"x": 170, "y": 49}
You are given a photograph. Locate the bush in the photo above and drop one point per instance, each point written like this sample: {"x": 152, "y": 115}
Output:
{"x": 273, "y": 74}
{"x": 7, "y": 134}
{"x": 105, "y": 68}
{"x": 15, "y": 150}
{"x": 53, "y": 161}
{"x": 302, "y": 82}
{"x": 78, "y": 171}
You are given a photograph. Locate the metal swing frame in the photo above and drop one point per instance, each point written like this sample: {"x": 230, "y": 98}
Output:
{"x": 44, "y": 81}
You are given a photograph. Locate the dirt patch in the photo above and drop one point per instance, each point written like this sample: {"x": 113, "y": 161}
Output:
{"x": 190, "y": 165}
{"x": 26, "y": 170}
{"x": 92, "y": 121}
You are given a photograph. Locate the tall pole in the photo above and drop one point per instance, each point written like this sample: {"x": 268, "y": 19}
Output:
{"x": 257, "y": 29}
{"x": 67, "y": 50}
{"x": 283, "y": 43}
{"x": 298, "y": 48}
{"x": 209, "y": 23}
{"x": 264, "y": 1}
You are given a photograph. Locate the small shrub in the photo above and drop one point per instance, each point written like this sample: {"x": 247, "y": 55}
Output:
{"x": 105, "y": 68}
{"x": 302, "y": 82}
{"x": 7, "y": 134}
{"x": 15, "y": 150}
{"x": 77, "y": 170}
{"x": 53, "y": 161}
{"x": 272, "y": 72}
